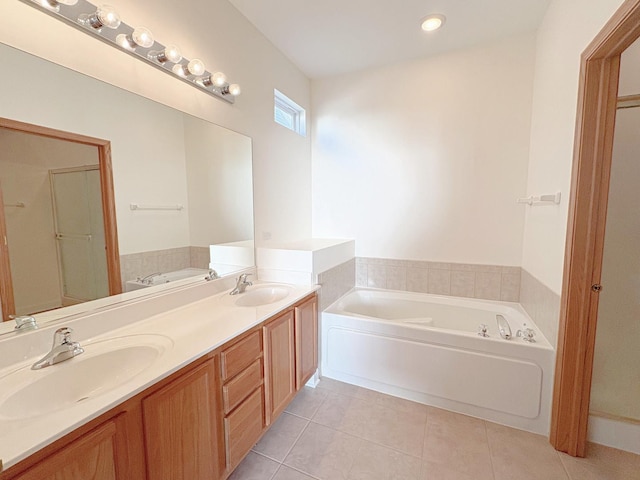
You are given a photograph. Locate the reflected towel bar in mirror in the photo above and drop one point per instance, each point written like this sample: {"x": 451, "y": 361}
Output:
{"x": 137, "y": 206}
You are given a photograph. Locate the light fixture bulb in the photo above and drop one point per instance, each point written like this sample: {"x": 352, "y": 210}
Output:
{"x": 172, "y": 53}
{"x": 195, "y": 67}
{"x": 234, "y": 89}
{"x": 106, "y": 16}
{"x": 219, "y": 79}
{"x": 433, "y": 22}
{"x": 142, "y": 37}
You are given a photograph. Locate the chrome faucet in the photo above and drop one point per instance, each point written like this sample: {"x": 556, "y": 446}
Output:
{"x": 503, "y": 327}
{"x": 25, "y": 323}
{"x": 212, "y": 275}
{"x": 241, "y": 284}
{"x": 527, "y": 334}
{"x": 147, "y": 280}
{"x": 63, "y": 349}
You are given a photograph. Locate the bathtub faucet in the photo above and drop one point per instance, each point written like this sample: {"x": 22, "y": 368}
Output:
{"x": 482, "y": 330}
{"x": 241, "y": 284}
{"x": 527, "y": 335}
{"x": 147, "y": 280}
{"x": 212, "y": 275}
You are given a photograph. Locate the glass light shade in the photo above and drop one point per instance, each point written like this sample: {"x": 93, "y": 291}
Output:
{"x": 234, "y": 89}
{"x": 219, "y": 79}
{"x": 179, "y": 69}
{"x": 433, "y": 22}
{"x": 125, "y": 42}
{"x": 143, "y": 37}
{"x": 196, "y": 67}
{"x": 108, "y": 16}
{"x": 172, "y": 53}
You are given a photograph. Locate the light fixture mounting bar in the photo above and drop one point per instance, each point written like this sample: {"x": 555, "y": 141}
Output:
{"x": 72, "y": 14}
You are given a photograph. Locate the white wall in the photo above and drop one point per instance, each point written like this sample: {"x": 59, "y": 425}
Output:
{"x": 215, "y": 32}
{"x": 219, "y": 184}
{"x": 424, "y": 160}
{"x": 567, "y": 29}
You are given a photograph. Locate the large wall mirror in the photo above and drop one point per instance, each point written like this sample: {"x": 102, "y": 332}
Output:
{"x": 182, "y": 195}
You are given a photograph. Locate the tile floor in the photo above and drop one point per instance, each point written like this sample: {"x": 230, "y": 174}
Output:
{"x": 343, "y": 432}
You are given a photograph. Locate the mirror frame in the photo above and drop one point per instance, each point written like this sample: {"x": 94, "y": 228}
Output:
{"x": 108, "y": 210}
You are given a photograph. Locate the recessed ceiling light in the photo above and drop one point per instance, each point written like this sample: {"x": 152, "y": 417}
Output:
{"x": 433, "y": 22}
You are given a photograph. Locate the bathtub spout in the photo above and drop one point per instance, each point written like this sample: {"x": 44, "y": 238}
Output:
{"x": 503, "y": 327}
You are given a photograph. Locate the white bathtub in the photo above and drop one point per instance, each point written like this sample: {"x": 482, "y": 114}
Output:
{"x": 162, "y": 278}
{"x": 426, "y": 348}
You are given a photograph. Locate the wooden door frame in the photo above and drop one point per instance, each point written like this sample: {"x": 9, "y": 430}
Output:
{"x": 597, "y": 99}
{"x": 108, "y": 209}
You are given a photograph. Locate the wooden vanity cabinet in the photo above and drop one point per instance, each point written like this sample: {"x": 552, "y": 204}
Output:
{"x": 242, "y": 374}
{"x": 291, "y": 354}
{"x": 109, "y": 447}
{"x": 306, "y": 335}
{"x": 91, "y": 457}
{"x": 280, "y": 367}
{"x": 182, "y": 429}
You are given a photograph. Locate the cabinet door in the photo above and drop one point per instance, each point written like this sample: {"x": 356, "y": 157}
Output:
{"x": 306, "y": 328}
{"x": 90, "y": 457}
{"x": 182, "y": 427}
{"x": 279, "y": 378}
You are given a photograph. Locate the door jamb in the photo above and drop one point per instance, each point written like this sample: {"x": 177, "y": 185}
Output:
{"x": 595, "y": 122}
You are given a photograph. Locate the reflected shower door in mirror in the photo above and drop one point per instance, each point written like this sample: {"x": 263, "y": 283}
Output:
{"x": 60, "y": 238}
{"x": 182, "y": 187}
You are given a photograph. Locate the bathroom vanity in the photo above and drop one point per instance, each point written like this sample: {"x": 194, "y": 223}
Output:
{"x": 198, "y": 421}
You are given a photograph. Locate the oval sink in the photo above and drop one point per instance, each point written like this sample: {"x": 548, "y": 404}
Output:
{"x": 104, "y": 366}
{"x": 258, "y": 295}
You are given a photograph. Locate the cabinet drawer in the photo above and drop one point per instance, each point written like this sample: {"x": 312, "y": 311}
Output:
{"x": 239, "y": 356}
{"x": 243, "y": 428}
{"x": 241, "y": 386}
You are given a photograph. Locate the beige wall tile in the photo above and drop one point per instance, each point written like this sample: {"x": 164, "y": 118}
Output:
{"x": 463, "y": 283}
{"x": 439, "y": 281}
{"x": 377, "y": 276}
{"x": 417, "y": 279}
{"x": 488, "y": 285}
{"x": 510, "y": 287}
{"x": 396, "y": 278}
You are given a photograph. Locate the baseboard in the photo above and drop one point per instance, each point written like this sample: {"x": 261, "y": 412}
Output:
{"x": 614, "y": 433}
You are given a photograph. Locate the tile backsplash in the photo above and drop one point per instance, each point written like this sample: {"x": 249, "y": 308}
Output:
{"x": 489, "y": 282}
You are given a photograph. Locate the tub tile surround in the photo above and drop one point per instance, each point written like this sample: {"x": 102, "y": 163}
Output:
{"x": 542, "y": 305}
{"x": 486, "y": 282}
{"x": 336, "y": 282}
{"x": 318, "y": 437}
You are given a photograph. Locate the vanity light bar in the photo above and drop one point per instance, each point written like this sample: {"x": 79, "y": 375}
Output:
{"x": 104, "y": 23}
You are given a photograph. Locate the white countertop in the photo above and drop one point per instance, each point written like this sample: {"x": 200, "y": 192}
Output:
{"x": 192, "y": 330}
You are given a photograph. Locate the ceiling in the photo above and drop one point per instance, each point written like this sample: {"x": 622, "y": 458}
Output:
{"x": 331, "y": 37}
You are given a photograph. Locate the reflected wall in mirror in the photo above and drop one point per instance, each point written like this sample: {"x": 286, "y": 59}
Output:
{"x": 60, "y": 243}
{"x": 161, "y": 158}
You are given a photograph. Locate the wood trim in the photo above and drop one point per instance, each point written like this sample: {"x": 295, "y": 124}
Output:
{"x": 7, "y": 301}
{"x": 597, "y": 99}
{"x": 108, "y": 207}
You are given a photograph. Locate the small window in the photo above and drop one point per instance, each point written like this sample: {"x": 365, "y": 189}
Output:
{"x": 289, "y": 114}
